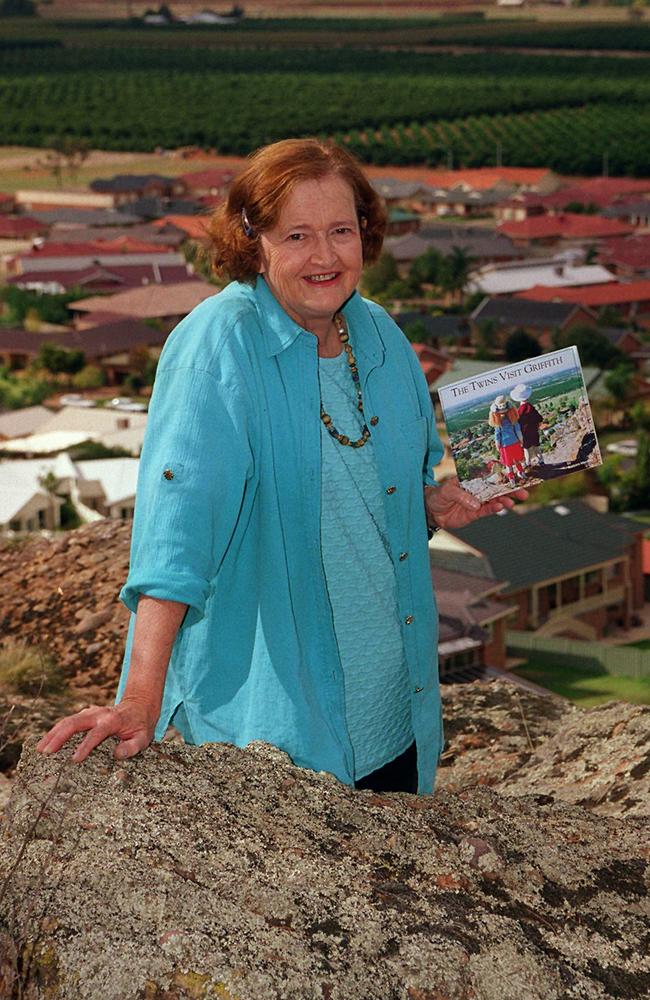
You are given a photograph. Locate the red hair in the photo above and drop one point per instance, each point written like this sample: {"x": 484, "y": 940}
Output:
{"x": 258, "y": 194}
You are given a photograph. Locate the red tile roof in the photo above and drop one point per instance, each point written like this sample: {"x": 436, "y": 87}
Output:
{"x": 193, "y": 225}
{"x": 478, "y": 179}
{"x": 21, "y": 227}
{"x": 99, "y": 278}
{"x": 124, "y": 244}
{"x": 432, "y": 362}
{"x": 611, "y": 294}
{"x": 601, "y": 191}
{"x": 207, "y": 178}
{"x": 567, "y": 225}
{"x": 633, "y": 252}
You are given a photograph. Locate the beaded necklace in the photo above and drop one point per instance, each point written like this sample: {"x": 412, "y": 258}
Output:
{"x": 343, "y": 439}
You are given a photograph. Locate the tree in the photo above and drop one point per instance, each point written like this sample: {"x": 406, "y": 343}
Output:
{"x": 619, "y": 381}
{"x": 379, "y": 276}
{"x": 593, "y": 346}
{"x": 89, "y": 377}
{"x": 639, "y": 494}
{"x": 50, "y": 483}
{"x": 17, "y": 8}
{"x": 521, "y": 345}
{"x": 58, "y": 360}
{"x": 426, "y": 269}
{"x": 455, "y": 272}
{"x": 486, "y": 339}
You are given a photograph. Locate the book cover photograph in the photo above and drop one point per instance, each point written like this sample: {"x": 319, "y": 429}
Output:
{"x": 521, "y": 424}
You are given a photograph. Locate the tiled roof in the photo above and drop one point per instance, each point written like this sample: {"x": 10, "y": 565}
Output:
{"x": 84, "y": 217}
{"x": 513, "y": 312}
{"x": 108, "y": 278}
{"x": 127, "y": 183}
{"x": 633, "y": 252}
{"x": 528, "y": 548}
{"x": 568, "y": 225}
{"x": 207, "y": 178}
{"x": 436, "y": 326}
{"x": 21, "y": 227}
{"x": 195, "y": 226}
{"x": 95, "y": 342}
{"x": 124, "y": 244}
{"x": 611, "y": 294}
{"x": 17, "y": 423}
{"x": 599, "y": 191}
{"x": 479, "y": 178}
{"x": 152, "y": 301}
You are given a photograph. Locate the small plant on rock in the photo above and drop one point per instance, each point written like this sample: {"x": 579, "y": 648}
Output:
{"x": 26, "y": 669}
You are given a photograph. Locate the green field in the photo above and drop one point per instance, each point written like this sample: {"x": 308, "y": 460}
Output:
{"x": 129, "y": 88}
{"x": 586, "y": 687}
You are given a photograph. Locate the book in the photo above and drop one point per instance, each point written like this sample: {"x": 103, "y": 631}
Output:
{"x": 520, "y": 424}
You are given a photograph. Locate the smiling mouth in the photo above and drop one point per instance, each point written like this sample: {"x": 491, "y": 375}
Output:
{"x": 322, "y": 279}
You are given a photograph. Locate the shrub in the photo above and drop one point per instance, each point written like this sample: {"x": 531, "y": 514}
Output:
{"x": 26, "y": 669}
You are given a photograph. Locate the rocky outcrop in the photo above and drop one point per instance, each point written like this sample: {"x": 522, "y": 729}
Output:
{"x": 218, "y": 872}
{"x": 62, "y": 594}
{"x": 521, "y": 743}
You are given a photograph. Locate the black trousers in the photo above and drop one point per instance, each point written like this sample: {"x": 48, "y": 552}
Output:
{"x": 399, "y": 775}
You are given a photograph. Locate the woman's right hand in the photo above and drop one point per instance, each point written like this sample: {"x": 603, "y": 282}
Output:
{"x": 132, "y": 721}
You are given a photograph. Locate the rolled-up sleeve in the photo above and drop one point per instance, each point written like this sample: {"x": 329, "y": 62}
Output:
{"x": 195, "y": 465}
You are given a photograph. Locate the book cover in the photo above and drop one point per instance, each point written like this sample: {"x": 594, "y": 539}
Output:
{"x": 521, "y": 424}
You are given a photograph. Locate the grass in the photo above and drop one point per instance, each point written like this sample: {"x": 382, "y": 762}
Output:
{"x": 641, "y": 644}
{"x": 586, "y": 688}
{"x": 26, "y": 669}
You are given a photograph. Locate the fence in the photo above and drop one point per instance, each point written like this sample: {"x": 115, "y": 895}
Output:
{"x": 620, "y": 660}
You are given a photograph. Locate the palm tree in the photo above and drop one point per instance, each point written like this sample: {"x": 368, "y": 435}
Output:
{"x": 456, "y": 270}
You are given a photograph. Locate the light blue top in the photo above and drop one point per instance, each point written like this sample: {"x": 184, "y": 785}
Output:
{"x": 360, "y": 580}
{"x": 507, "y": 433}
{"x": 227, "y": 520}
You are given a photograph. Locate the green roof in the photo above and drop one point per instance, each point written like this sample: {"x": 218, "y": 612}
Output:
{"x": 544, "y": 544}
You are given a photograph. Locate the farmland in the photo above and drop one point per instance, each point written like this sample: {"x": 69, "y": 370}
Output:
{"x": 127, "y": 88}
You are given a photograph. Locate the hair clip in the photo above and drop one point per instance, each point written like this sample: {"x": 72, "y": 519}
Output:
{"x": 248, "y": 229}
{"x": 363, "y": 221}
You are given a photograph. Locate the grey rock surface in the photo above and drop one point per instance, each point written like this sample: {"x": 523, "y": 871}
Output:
{"x": 521, "y": 743}
{"x": 218, "y": 872}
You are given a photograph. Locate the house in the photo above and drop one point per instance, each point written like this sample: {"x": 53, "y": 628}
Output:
{"x": 21, "y": 227}
{"x": 168, "y": 303}
{"x": 478, "y": 178}
{"x": 567, "y": 227}
{"x": 108, "y": 485}
{"x": 29, "y": 201}
{"x": 397, "y": 192}
{"x": 26, "y": 502}
{"x": 595, "y": 193}
{"x": 400, "y": 221}
{"x": 127, "y": 188}
{"x": 200, "y": 183}
{"x": 631, "y": 299}
{"x": 108, "y": 345}
{"x": 570, "y": 570}
{"x": 636, "y": 213}
{"x": 472, "y": 621}
{"x": 541, "y": 319}
{"x": 628, "y": 258}
{"x": 69, "y": 220}
{"x": 445, "y": 330}
{"x": 480, "y": 244}
{"x": 18, "y": 423}
{"x": 102, "y": 278}
{"x": 561, "y": 271}
{"x": 432, "y": 362}
{"x": 71, "y": 426}
{"x": 458, "y": 201}
{"x": 193, "y": 227}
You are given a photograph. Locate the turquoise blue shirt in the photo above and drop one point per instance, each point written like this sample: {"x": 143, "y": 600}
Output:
{"x": 227, "y": 521}
{"x": 360, "y": 579}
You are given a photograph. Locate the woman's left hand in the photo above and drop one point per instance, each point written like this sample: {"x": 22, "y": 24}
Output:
{"x": 450, "y": 506}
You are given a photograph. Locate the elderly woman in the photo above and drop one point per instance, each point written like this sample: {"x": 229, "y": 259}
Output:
{"x": 279, "y": 580}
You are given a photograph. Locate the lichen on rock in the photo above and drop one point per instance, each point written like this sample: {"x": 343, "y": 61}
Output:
{"x": 192, "y": 872}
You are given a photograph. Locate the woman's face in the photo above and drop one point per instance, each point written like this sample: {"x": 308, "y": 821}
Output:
{"x": 312, "y": 258}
